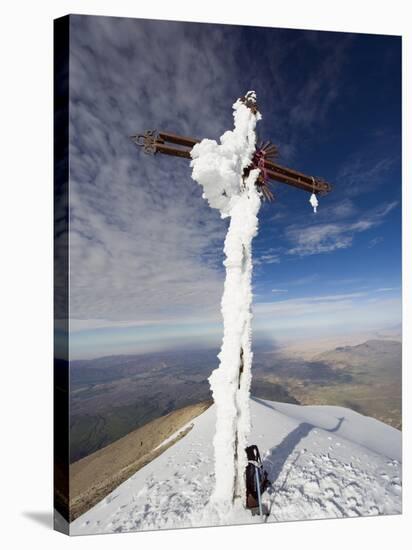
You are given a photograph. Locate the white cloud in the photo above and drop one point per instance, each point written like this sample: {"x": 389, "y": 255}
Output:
{"x": 328, "y": 237}
{"x": 359, "y": 174}
{"x": 387, "y": 289}
{"x": 267, "y": 259}
{"x": 279, "y": 290}
{"x": 319, "y": 238}
{"x": 343, "y": 209}
{"x": 143, "y": 243}
{"x": 302, "y": 306}
{"x": 375, "y": 241}
{"x": 319, "y": 315}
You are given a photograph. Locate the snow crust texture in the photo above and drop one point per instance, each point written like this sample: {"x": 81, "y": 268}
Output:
{"x": 323, "y": 462}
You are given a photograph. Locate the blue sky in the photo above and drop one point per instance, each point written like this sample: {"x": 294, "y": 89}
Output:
{"x": 145, "y": 249}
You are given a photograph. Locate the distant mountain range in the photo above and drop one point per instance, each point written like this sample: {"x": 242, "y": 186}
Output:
{"x": 111, "y": 396}
{"x": 371, "y": 355}
{"x": 366, "y": 378}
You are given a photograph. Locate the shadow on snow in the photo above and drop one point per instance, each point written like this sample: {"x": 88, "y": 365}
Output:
{"x": 277, "y": 457}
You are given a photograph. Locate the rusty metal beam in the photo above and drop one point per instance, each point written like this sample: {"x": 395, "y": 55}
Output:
{"x": 157, "y": 142}
{"x": 315, "y": 186}
{"x": 173, "y": 151}
{"x": 178, "y": 140}
{"x": 299, "y": 176}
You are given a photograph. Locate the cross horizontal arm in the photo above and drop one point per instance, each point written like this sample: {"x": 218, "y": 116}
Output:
{"x": 154, "y": 142}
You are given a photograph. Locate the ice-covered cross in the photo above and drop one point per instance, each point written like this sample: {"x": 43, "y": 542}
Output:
{"x": 220, "y": 170}
{"x": 234, "y": 175}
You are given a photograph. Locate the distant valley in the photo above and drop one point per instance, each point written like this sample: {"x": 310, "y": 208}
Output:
{"x": 366, "y": 378}
{"x": 111, "y": 396}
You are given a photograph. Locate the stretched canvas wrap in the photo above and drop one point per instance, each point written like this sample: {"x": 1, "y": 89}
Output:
{"x": 227, "y": 275}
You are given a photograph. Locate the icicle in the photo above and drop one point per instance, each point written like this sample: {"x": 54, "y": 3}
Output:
{"x": 313, "y": 198}
{"x": 314, "y": 202}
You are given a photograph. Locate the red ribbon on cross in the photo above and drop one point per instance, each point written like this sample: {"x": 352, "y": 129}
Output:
{"x": 258, "y": 161}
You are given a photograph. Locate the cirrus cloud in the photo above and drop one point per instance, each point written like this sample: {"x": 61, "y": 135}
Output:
{"x": 328, "y": 237}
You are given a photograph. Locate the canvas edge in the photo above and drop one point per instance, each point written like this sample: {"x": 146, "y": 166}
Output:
{"x": 61, "y": 486}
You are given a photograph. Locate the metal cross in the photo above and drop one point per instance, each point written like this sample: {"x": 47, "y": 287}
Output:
{"x": 166, "y": 143}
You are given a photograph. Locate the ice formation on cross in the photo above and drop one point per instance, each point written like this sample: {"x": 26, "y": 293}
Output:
{"x": 220, "y": 169}
{"x": 314, "y": 202}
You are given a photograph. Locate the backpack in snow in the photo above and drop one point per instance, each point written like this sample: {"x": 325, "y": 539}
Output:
{"x": 254, "y": 467}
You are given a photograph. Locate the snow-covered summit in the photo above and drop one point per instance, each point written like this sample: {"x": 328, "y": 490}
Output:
{"x": 323, "y": 462}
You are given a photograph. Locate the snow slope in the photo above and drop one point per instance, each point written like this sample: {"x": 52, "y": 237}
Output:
{"x": 323, "y": 462}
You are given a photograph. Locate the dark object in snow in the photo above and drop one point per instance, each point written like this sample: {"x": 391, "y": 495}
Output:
{"x": 256, "y": 481}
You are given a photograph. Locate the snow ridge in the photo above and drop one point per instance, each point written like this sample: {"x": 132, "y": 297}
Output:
{"x": 323, "y": 462}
